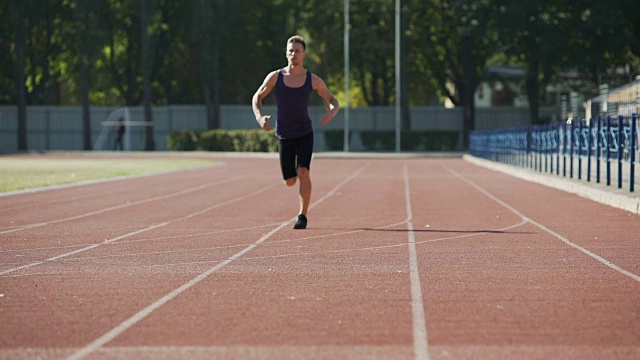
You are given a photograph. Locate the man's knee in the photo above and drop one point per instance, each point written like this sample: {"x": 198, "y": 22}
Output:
{"x": 303, "y": 173}
{"x": 290, "y": 181}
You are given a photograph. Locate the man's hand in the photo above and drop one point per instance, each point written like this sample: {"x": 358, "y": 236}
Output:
{"x": 329, "y": 114}
{"x": 263, "y": 121}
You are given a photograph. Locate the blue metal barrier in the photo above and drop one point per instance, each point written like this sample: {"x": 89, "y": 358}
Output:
{"x": 600, "y": 139}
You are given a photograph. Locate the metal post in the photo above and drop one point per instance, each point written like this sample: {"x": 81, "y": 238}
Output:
{"x": 527, "y": 157}
{"x": 127, "y": 130}
{"x": 599, "y": 129}
{"x": 632, "y": 151}
{"x": 346, "y": 76}
{"x": 558, "y": 150}
{"x": 608, "y": 156}
{"x": 550, "y": 139}
{"x": 620, "y": 149}
{"x": 534, "y": 147}
{"x": 47, "y": 145}
{"x": 589, "y": 145}
{"x": 546, "y": 147}
{"x": 564, "y": 149}
{"x": 398, "y": 92}
{"x": 571, "y": 135}
{"x": 580, "y": 145}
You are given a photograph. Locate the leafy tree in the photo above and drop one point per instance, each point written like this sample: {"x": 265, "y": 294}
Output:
{"x": 19, "y": 11}
{"x": 217, "y": 52}
{"x": 550, "y": 36}
{"x": 8, "y": 69}
{"x": 146, "y": 11}
{"x": 456, "y": 38}
{"x": 87, "y": 19}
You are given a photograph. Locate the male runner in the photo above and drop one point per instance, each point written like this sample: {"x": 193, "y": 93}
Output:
{"x": 293, "y": 87}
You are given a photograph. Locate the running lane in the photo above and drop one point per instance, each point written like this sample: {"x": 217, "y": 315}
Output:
{"x": 403, "y": 259}
{"x": 513, "y": 269}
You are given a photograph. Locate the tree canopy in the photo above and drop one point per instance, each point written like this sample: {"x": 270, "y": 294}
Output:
{"x": 218, "y": 52}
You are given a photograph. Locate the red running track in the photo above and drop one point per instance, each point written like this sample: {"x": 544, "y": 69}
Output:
{"x": 410, "y": 258}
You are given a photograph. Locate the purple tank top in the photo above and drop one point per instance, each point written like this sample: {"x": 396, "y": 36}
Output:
{"x": 293, "y": 118}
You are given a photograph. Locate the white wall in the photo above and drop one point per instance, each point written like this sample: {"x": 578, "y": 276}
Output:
{"x": 60, "y": 128}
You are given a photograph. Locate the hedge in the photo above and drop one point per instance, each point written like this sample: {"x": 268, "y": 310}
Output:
{"x": 410, "y": 140}
{"x": 261, "y": 141}
{"x": 222, "y": 140}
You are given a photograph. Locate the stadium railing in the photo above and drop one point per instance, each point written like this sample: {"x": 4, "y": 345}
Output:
{"x": 574, "y": 148}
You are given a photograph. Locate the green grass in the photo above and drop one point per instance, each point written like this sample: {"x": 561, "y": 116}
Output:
{"x": 19, "y": 173}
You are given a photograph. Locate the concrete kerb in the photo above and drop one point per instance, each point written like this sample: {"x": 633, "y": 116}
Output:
{"x": 618, "y": 198}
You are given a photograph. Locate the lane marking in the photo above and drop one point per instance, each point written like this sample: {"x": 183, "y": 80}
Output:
{"x": 420, "y": 337}
{"x": 125, "y": 325}
{"x": 380, "y": 247}
{"x": 117, "y": 207}
{"x": 86, "y": 248}
{"x": 314, "y": 253}
{"x": 145, "y": 239}
{"x": 122, "y": 327}
{"x": 106, "y": 242}
{"x": 544, "y": 228}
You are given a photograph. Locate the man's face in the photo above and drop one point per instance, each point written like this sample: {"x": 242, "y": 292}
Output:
{"x": 295, "y": 53}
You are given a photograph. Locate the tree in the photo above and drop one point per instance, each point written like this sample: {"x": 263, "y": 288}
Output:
{"x": 456, "y": 40}
{"x": 209, "y": 19}
{"x": 146, "y": 62}
{"x": 372, "y": 50}
{"x": 86, "y": 13}
{"x": 8, "y": 69}
{"x": 19, "y": 11}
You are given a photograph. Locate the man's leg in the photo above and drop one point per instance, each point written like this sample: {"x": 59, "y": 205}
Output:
{"x": 287, "y": 152}
{"x": 305, "y": 189}
{"x": 305, "y": 151}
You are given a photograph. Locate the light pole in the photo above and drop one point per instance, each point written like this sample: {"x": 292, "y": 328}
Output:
{"x": 346, "y": 75}
{"x": 398, "y": 92}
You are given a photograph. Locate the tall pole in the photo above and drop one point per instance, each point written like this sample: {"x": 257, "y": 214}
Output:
{"x": 398, "y": 92}
{"x": 346, "y": 76}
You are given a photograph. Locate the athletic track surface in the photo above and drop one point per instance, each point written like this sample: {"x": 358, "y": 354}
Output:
{"x": 410, "y": 258}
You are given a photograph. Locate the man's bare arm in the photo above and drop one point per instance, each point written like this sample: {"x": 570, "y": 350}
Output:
{"x": 256, "y": 103}
{"x": 324, "y": 92}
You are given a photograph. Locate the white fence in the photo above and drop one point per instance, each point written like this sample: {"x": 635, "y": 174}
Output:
{"x": 60, "y": 128}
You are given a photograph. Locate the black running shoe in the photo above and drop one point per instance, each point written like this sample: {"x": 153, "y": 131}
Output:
{"x": 301, "y": 223}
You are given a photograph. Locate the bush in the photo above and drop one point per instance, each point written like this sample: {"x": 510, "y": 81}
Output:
{"x": 183, "y": 140}
{"x": 215, "y": 140}
{"x": 334, "y": 139}
{"x": 410, "y": 140}
{"x": 222, "y": 140}
{"x": 259, "y": 140}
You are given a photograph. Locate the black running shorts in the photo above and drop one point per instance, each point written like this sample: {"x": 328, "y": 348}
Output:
{"x": 295, "y": 153}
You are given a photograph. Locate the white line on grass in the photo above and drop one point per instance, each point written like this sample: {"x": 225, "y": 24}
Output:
{"x": 122, "y": 327}
{"x": 420, "y": 338}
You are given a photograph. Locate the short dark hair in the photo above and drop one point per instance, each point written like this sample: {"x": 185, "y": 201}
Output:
{"x": 297, "y": 39}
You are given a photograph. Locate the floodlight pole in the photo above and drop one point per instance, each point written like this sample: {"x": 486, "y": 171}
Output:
{"x": 398, "y": 93}
{"x": 346, "y": 76}
{"x": 127, "y": 130}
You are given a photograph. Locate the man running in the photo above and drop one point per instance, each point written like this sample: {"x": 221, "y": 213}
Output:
{"x": 293, "y": 87}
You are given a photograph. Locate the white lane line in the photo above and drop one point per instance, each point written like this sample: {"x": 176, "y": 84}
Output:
{"x": 311, "y": 253}
{"x": 420, "y": 338}
{"x": 106, "y": 242}
{"x": 113, "y": 333}
{"x": 143, "y": 240}
{"x": 555, "y": 234}
{"x": 81, "y": 250}
{"x": 125, "y": 325}
{"x": 116, "y": 207}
